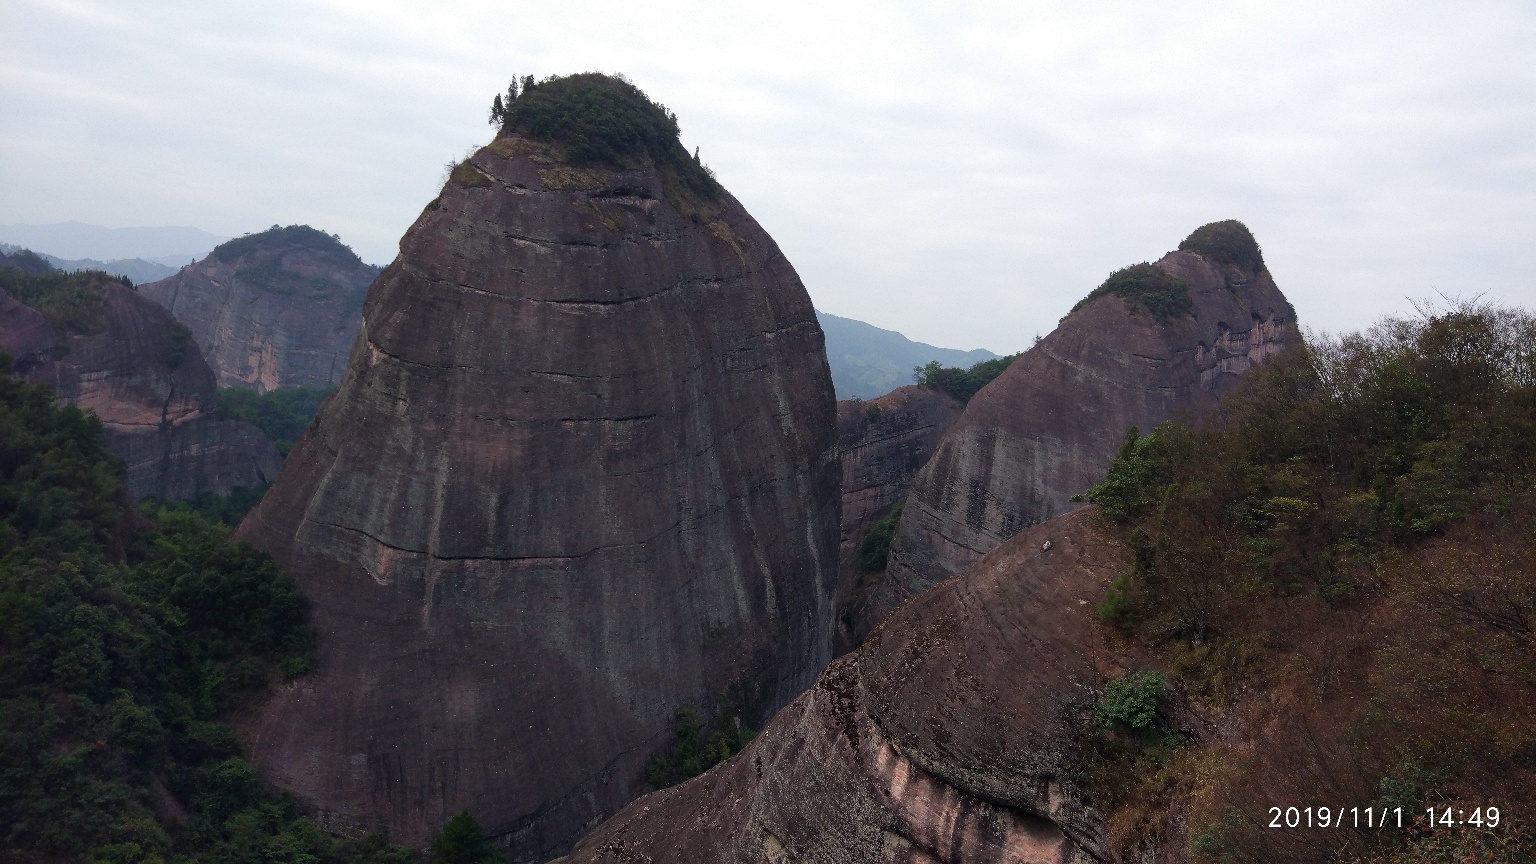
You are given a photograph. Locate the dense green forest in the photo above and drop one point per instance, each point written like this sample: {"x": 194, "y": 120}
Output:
{"x": 1340, "y": 569}
{"x": 961, "y": 383}
{"x": 282, "y": 415}
{"x": 71, "y": 302}
{"x": 129, "y": 638}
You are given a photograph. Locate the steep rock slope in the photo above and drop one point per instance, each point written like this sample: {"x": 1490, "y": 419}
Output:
{"x": 125, "y": 358}
{"x": 1143, "y": 349}
{"x": 945, "y": 738}
{"x": 274, "y": 309}
{"x": 884, "y": 443}
{"x": 581, "y": 471}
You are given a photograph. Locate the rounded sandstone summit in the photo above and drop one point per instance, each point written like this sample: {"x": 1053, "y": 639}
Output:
{"x": 580, "y": 472}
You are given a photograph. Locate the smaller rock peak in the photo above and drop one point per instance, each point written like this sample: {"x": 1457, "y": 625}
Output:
{"x": 282, "y": 239}
{"x": 1228, "y": 243}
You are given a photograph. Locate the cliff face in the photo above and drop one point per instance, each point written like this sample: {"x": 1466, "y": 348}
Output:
{"x": 139, "y": 371}
{"x": 946, "y": 737}
{"x": 581, "y": 471}
{"x": 884, "y": 443}
{"x": 1047, "y": 428}
{"x": 275, "y": 309}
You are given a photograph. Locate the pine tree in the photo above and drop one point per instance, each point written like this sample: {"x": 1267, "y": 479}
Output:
{"x": 498, "y": 112}
{"x": 462, "y": 842}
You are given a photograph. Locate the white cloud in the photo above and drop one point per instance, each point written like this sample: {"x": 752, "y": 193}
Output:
{"x": 961, "y": 172}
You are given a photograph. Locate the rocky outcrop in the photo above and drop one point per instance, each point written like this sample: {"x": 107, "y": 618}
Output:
{"x": 274, "y": 309}
{"x": 126, "y": 359}
{"x": 947, "y": 737}
{"x": 1047, "y": 428}
{"x": 884, "y": 442}
{"x": 581, "y": 471}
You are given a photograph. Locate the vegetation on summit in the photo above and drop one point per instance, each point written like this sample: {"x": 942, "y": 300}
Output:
{"x": 1341, "y": 563}
{"x": 71, "y": 302}
{"x": 1226, "y": 242}
{"x": 1147, "y": 286}
{"x": 961, "y": 383}
{"x": 602, "y": 120}
{"x": 290, "y": 237}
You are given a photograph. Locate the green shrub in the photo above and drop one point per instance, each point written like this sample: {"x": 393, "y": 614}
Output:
{"x": 1139, "y": 473}
{"x": 1145, "y": 285}
{"x": 875, "y": 547}
{"x": 1117, "y": 601}
{"x": 1227, "y": 242}
{"x": 691, "y": 754}
{"x": 1131, "y": 700}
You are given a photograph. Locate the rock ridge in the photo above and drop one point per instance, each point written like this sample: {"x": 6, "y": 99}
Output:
{"x": 948, "y": 736}
{"x": 1047, "y": 428}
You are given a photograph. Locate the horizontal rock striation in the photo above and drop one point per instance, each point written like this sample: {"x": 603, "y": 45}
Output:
{"x": 140, "y": 373}
{"x": 275, "y": 309}
{"x": 1047, "y": 428}
{"x": 946, "y": 737}
{"x": 581, "y": 471}
{"x": 884, "y": 443}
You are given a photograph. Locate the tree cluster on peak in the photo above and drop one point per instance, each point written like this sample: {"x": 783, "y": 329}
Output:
{"x": 601, "y": 120}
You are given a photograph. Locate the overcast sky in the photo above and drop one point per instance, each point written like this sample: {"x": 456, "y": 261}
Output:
{"x": 961, "y": 172}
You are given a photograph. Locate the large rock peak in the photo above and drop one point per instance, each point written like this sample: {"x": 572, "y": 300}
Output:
{"x": 1154, "y": 342}
{"x": 580, "y": 471}
{"x": 279, "y": 308}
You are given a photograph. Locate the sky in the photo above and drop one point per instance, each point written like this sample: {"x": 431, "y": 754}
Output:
{"x": 960, "y": 172}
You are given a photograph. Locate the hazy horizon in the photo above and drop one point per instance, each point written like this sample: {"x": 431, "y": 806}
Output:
{"x": 961, "y": 175}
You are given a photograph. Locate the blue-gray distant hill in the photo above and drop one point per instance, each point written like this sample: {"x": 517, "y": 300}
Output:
{"x": 868, "y": 362}
{"x": 137, "y": 269}
{"x": 172, "y": 245}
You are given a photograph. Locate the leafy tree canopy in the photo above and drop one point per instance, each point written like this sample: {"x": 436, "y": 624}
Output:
{"x": 961, "y": 383}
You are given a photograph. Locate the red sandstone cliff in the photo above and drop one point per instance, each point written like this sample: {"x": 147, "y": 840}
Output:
{"x": 139, "y": 372}
{"x": 946, "y": 737}
{"x": 581, "y": 471}
{"x": 274, "y": 309}
{"x": 1047, "y": 428}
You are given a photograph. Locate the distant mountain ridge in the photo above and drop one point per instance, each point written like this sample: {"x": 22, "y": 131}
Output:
{"x": 137, "y": 269}
{"x": 172, "y": 245}
{"x": 868, "y": 362}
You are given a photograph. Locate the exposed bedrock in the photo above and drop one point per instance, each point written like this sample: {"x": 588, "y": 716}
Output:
{"x": 581, "y": 471}
{"x": 884, "y": 442}
{"x": 139, "y": 372}
{"x": 946, "y": 737}
{"x": 1047, "y": 428}
{"x": 274, "y": 309}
